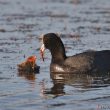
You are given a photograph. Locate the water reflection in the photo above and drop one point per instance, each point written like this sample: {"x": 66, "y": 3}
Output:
{"x": 83, "y": 81}
{"x": 56, "y": 90}
{"x": 27, "y": 76}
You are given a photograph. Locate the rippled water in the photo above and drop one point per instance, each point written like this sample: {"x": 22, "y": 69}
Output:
{"x": 82, "y": 25}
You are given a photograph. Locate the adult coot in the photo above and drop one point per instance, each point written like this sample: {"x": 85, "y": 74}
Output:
{"x": 86, "y": 62}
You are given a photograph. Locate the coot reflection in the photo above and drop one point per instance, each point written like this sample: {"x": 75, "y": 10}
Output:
{"x": 27, "y": 76}
{"x": 84, "y": 81}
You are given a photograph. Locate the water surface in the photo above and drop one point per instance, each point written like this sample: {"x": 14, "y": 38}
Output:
{"x": 81, "y": 24}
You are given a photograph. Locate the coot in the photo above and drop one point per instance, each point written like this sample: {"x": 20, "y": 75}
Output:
{"x": 86, "y": 62}
{"x": 29, "y": 65}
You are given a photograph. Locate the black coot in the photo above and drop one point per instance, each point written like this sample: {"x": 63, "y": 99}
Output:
{"x": 86, "y": 62}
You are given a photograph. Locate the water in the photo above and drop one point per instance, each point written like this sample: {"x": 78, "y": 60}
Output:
{"x": 82, "y": 25}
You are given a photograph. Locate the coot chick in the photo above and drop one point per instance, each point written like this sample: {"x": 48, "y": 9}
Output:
{"x": 86, "y": 62}
{"x": 29, "y": 65}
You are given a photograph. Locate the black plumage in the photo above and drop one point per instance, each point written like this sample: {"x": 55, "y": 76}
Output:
{"x": 86, "y": 62}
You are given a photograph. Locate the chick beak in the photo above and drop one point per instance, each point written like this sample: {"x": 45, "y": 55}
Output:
{"x": 42, "y": 49}
{"x": 35, "y": 57}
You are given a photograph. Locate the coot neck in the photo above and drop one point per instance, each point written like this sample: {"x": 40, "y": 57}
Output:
{"x": 58, "y": 53}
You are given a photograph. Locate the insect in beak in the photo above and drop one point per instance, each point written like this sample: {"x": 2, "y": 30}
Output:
{"x": 42, "y": 49}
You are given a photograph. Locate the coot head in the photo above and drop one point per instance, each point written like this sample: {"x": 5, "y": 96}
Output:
{"x": 29, "y": 65}
{"x": 53, "y": 42}
{"x": 32, "y": 59}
